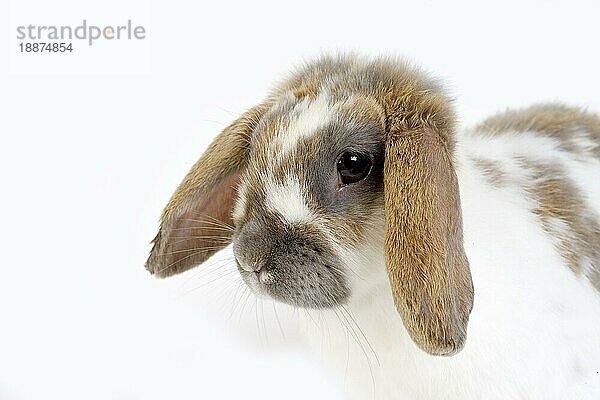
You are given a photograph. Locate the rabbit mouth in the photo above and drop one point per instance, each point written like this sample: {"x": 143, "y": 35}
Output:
{"x": 303, "y": 286}
{"x": 292, "y": 264}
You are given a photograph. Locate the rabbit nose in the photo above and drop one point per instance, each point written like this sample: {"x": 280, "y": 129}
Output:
{"x": 266, "y": 277}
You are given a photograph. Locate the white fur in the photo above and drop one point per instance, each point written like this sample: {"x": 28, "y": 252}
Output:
{"x": 288, "y": 200}
{"x": 240, "y": 205}
{"x": 307, "y": 117}
{"x": 534, "y": 331}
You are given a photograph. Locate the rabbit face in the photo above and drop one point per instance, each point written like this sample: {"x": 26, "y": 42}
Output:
{"x": 312, "y": 189}
{"x": 348, "y": 164}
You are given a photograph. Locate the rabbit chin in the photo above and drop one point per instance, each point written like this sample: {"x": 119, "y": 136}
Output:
{"x": 294, "y": 291}
{"x": 364, "y": 277}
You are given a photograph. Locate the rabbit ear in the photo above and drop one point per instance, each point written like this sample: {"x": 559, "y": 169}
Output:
{"x": 426, "y": 262}
{"x": 197, "y": 221}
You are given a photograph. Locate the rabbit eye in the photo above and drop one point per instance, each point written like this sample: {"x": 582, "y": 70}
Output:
{"x": 353, "y": 167}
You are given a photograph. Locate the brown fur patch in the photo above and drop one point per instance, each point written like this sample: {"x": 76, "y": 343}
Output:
{"x": 361, "y": 109}
{"x": 560, "y": 201}
{"x": 568, "y": 125}
{"x": 492, "y": 170}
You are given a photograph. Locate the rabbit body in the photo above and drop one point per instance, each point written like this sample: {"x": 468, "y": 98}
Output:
{"x": 431, "y": 262}
{"x": 534, "y": 331}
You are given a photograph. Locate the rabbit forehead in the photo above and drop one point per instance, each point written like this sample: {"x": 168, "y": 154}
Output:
{"x": 303, "y": 121}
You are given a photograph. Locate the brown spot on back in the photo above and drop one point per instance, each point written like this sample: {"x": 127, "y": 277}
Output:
{"x": 568, "y": 125}
{"x": 564, "y": 214}
{"x": 492, "y": 170}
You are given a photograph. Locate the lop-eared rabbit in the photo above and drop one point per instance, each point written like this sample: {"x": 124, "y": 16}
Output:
{"x": 469, "y": 258}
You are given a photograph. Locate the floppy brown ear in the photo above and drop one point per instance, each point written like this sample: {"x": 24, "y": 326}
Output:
{"x": 426, "y": 262}
{"x": 197, "y": 221}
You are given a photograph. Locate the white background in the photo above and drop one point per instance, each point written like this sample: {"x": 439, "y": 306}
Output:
{"x": 94, "y": 143}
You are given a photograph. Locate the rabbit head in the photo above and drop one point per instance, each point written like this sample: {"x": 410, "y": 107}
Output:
{"x": 346, "y": 153}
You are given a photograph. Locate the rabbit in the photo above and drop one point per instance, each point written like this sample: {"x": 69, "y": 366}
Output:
{"x": 465, "y": 261}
